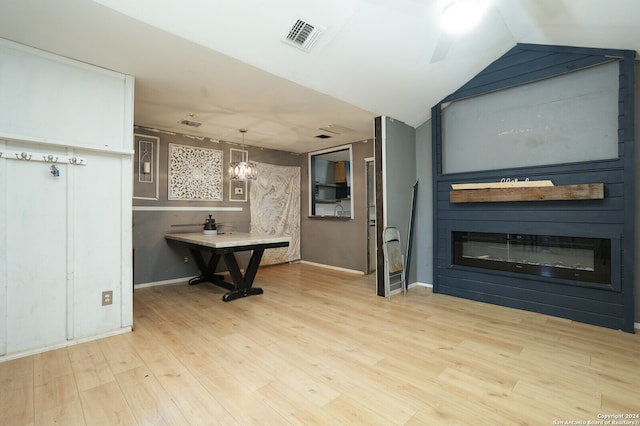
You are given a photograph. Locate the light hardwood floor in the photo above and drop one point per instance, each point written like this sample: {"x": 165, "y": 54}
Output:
{"x": 320, "y": 348}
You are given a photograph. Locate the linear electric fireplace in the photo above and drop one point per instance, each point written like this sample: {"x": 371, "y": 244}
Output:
{"x": 572, "y": 258}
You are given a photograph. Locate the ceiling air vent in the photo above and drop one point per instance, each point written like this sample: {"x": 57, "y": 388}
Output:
{"x": 190, "y": 123}
{"x": 303, "y": 35}
{"x": 336, "y": 129}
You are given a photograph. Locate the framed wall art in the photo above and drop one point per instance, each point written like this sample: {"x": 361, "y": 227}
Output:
{"x": 194, "y": 173}
{"x": 145, "y": 167}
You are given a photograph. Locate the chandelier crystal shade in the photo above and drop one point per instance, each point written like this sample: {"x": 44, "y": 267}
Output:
{"x": 244, "y": 169}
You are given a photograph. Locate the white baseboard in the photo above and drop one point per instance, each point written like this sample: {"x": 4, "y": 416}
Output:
{"x": 322, "y": 265}
{"x": 66, "y": 344}
{"x": 636, "y": 325}
{"x": 186, "y": 279}
{"x": 410, "y": 286}
{"x": 419, "y": 284}
{"x": 165, "y": 282}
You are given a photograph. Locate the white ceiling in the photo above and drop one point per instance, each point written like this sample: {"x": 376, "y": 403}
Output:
{"x": 224, "y": 61}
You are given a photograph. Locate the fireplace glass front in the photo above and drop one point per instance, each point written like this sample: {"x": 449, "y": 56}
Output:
{"x": 573, "y": 258}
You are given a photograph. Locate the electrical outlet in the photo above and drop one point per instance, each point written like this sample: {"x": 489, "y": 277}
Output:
{"x": 238, "y": 191}
{"x": 107, "y": 297}
{"x": 186, "y": 259}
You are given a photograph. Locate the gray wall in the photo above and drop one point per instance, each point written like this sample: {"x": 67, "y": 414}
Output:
{"x": 334, "y": 242}
{"x": 636, "y": 263}
{"x": 399, "y": 173}
{"x": 157, "y": 260}
{"x": 341, "y": 244}
{"x": 423, "y": 232}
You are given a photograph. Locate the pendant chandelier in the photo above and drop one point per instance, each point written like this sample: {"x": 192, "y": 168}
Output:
{"x": 244, "y": 169}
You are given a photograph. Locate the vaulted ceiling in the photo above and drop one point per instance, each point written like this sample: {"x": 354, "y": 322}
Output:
{"x": 224, "y": 63}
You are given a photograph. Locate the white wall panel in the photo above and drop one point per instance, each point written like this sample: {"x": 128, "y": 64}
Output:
{"x": 36, "y": 241}
{"x": 63, "y": 239}
{"x": 4, "y": 201}
{"x": 53, "y": 99}
{"x": 98, "y": 229}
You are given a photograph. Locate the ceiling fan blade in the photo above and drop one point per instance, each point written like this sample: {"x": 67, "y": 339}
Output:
{"x": 442, "y": 47}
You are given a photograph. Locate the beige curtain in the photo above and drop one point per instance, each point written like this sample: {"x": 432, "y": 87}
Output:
{"x": 275, "y": 209}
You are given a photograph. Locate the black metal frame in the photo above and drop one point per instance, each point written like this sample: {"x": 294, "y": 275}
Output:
{"x": 601, "y": 248}
{"x": 242, "y": 285}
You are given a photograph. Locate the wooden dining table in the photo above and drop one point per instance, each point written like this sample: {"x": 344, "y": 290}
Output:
{"x": 224, "y": 247}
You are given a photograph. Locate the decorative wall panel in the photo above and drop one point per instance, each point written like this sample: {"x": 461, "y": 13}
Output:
{"x": 194, "y": 173}
{"x": 568, "y": 115}
{"x": 607, "y": 301}
{"x": 275, "y": 209}
{"x": 65, "y": 237}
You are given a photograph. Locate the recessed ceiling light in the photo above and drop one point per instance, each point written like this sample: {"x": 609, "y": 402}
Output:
{"x": 336, "y": 129}
{"x": 190, "y": 123}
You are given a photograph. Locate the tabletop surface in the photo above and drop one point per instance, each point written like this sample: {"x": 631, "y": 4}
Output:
{"x": 225, "y": 240}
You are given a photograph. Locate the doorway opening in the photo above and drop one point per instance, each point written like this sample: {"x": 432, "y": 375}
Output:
{"x": 371, "y": 215}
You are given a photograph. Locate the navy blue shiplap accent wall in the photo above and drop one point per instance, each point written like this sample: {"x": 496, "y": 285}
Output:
{"x": 612, "y": 218}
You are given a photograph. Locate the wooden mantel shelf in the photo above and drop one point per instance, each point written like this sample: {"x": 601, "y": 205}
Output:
{"x": 590, "y": 191}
